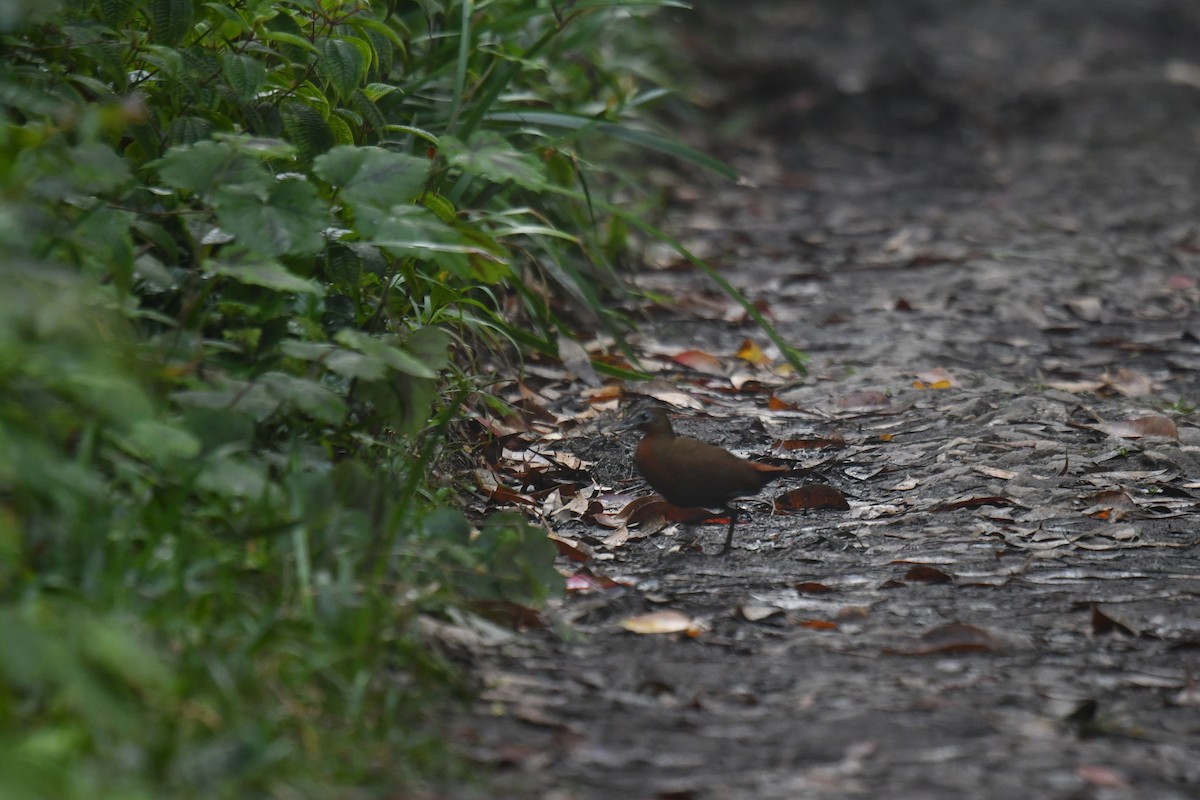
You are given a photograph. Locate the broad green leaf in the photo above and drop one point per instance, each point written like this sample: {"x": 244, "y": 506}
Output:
{"x": 344, "y": 63}
{"x": 305, "y": 395}
{"x": 307, "y": 129}
{"x": 160, "y": 442}
{"x": 268, "y": 274}
{"x": 396, "y": 358}
{"x": 244, "y": 74}
{"x": 373, "y": 176}
{"x": 431, "y": 345}
{"x": 490, "y": 155}
{"x": 170, "y": 20}
{"x": 288, "y": 218}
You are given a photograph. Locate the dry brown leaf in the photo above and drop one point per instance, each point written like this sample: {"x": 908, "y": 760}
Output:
{"x": 923, "y": 573}
{"x": 863, "y": 401}
{"x": 660, "y": 622}
{"x": 1102, "y": 624}
{"x": 817, "y": 495}
{"x": 1102, "y": 777}
{"x": 700, "y": 361}
{"x": 669, "y": 393}
{"x": 973, "y": 502}
{"x": 833, "y": 441}
{"x": 954, "y": 637}
{"x": 1153, "y": 425}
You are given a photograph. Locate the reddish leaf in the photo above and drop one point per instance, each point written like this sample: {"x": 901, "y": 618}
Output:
{"x": 812, "y": 587}
{"x": 863, "y": 401}
{"x": 974, "y": 502}
{"x": 951, "y": 638}
{"x": 1153, "y": 425}
{"x": 923, "y": 573}
{"x": 586, "y": 581}
{"x": 570, "y": 548}
{"x": 817, "y": 624}
{"x": 775, "y": 404}
{"x": 700, "y": 361}
{"x": 817, "y": 495}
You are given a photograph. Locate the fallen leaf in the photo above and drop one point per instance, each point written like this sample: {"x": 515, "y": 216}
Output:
{"x": 817, "y": 624}
{"x": 757, "y": 613}
{"x": 923, "y": 573}
{"x": 700, "y": 361}
{"x": 1103, "y": 777}
{"x": 659, "y": 622}
{"x": 936, "y": 378}
{"x": 817, "y": 495}
{"x": 751, "y": 352}
{"x": 586, "y": 581}
{"x": 954, "y": 637}
{"x": 1153, "y": 425}
{"x": 1103, "y": 624}
{"x": 863, "y": 401}
{"x": 973, "y": 502}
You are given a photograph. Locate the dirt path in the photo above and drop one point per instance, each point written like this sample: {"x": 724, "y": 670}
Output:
{"x": 1008, "y": 191}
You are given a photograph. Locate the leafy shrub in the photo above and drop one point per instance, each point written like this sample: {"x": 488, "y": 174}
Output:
{"x": 248, "y": 251}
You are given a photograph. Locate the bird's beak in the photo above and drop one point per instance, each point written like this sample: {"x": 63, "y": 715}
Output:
{"x": 624, "y": 425}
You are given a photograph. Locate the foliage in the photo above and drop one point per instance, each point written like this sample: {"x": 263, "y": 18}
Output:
{"x": 249, "y": 250}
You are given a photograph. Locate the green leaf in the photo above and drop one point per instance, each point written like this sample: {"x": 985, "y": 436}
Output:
{"x": 373, "y": 176}
{"x": 431, "y": 345}
{"x": 386, "y": 352}
{"x": 170, "y": 20}
{"x": 489, "y": 155}
{"x": 636, "y": 136}
{"x": 268, "y": 274}
{"x": 160, "y": 442}
{"x": 202, "y": 167}
{"x": 344, "y": 63}
{"x": 245, "y": 75}
{"x": 286, "y": 219}
{"x": 306, "y": 129}
{"x": 305, "y": 395}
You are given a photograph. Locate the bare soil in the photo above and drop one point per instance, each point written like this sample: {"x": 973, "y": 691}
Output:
{"x": 1006, "y": 190}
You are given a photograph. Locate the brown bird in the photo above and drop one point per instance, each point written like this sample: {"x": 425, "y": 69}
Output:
{"x": 695, "y": 474}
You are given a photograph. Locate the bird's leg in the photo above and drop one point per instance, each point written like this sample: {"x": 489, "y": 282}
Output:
{"x": 733, "y": 512}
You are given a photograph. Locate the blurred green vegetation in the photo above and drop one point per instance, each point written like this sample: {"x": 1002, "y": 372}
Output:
{"x": 251, "y": 253}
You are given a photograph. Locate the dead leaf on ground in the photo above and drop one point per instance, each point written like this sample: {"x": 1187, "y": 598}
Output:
{"x": 833, "y": 441}
{"x": 1102, "y": 777}
{"x": 700, "y": 361}
{"x": 923, "y": 573}
{"x": 669, "y": 621}
{"x": 974, "y": 501}
{"x": 757, "y": 613}
{"x": 954, "y": 637}
{"x": 1103, "y": 624}
{"x": 1153, "y": 425}
{"x": 585, "y": 580}
{"x": 817, "y": 495}
{"x": 936, "y": 378}
{"x": 667, "y": 392}
{"x": 751, "y": 352}
{"x": 863, "y": 401}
